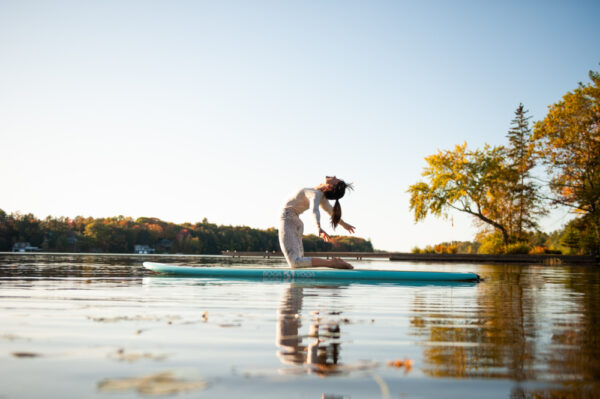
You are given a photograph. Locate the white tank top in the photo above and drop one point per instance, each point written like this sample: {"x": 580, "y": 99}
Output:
{"x": 309, "y": 198}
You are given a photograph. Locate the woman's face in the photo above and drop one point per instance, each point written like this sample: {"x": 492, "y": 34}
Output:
{"x": 331, "y": 181}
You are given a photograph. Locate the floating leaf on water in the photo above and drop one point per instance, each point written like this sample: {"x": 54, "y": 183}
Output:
{"x": 130, "y": 357}
{"x": 12, "y": 337}
{"x": 133, "y": 318}
{"x": 399, "y": 363}
{"x": 26, "y": 354}
{"x": 227, "y": 325}
{"x": 165, "y": 383}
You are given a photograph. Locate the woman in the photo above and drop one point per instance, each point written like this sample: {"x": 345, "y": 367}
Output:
{"x": 290, "y": 232}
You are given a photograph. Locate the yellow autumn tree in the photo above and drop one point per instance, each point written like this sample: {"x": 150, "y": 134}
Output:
{"x": 568, "y": 140}
{"x": 469, "y": 181}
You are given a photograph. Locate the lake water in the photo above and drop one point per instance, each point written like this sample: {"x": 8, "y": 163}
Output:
{"x": 99, "y": 326}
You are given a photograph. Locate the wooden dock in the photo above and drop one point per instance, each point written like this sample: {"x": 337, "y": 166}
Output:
{"x": 480, "y": 258}
{"x": 410, "y": 257}
{"x": 327, "y": 255}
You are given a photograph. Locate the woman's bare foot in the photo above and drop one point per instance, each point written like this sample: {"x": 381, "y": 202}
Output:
{"x": 341, "y": 264}
{"x": 335, "y": 263}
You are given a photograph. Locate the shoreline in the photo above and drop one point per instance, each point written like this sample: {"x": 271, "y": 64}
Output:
{"x": 547, "y": 259}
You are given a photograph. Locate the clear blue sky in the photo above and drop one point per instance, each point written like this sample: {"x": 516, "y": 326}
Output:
{"x": 191, "y": 109}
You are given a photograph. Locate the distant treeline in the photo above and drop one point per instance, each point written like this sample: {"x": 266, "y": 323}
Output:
{"x": 536, "y": 243}
{"x": 121, "y": 235}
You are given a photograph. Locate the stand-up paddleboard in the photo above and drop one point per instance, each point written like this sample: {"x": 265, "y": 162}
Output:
{"x": 312, "y": 274}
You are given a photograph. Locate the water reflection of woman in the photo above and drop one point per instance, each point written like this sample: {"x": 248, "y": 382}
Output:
{"x": 321, "y": 354}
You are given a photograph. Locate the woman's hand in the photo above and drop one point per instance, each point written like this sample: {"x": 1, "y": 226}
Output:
{"x": 324, "y": 235}
{"x": 348, "y": 227}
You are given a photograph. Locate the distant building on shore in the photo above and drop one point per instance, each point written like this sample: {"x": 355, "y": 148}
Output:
{"x": 142, "y": 249}
{"x": 24, "y": 247}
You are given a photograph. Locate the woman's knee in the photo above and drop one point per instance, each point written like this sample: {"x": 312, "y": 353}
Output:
{"x": 300, "y": 262}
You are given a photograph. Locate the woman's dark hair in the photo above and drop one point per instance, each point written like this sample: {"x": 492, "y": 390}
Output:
{"x": 336, "y": 193}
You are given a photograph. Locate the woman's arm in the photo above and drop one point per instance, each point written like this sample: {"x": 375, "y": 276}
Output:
{"x": 329, "y": 209}
{"x": 314, "y": 202}
{"x": 324, "y": 235}
{"x": 347, "y": 226}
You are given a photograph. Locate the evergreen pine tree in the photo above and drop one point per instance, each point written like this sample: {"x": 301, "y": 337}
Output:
{"x": 525, "y": 204}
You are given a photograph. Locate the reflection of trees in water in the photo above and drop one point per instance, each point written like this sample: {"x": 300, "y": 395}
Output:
{"x": 66, "y": 265}
{"x": 505, "y": 333}
{"x": 575, "y": 343}
{"x": 493, "y": 338}
{"x": 319, "y": 350}
{"x": 573, "y": 353}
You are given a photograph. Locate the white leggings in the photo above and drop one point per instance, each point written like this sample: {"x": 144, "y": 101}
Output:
{"x": 290, "y": 239}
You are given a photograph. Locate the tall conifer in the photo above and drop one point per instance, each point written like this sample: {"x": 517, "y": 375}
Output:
{"x": 524, "y": 202}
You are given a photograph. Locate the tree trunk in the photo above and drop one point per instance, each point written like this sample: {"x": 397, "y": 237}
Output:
{"x": 496, "y": 225}
{"x": 505, "y": 236}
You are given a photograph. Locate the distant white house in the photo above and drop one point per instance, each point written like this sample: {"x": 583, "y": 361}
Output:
{"x": 142, "y": 249}
{"x": 24, "y": 247}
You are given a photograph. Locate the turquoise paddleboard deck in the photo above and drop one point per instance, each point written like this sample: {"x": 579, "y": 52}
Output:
{"x": 312, "y": 274}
